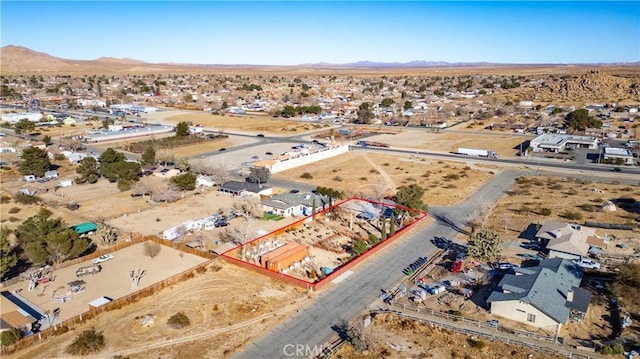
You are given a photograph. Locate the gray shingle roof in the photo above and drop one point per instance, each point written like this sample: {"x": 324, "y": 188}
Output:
{"x": 237, "y": 186}
{"x": 545, "y": 287}
{"x": 287, "y": 200}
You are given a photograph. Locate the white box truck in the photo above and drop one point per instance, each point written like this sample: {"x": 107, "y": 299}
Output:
{"x": 478, "y": 153}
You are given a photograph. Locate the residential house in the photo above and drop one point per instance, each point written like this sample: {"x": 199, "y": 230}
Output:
{"x": 205, "y": 181}
{"x": 564, "y": 240}
{"x": 294, "y": 204}
{"x": 241, "y": 189}
{"x": 544, "y": 296}
{"x": 53, "y": 174}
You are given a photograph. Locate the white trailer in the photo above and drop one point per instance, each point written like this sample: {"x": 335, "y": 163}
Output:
{"x": 479, "y": 153}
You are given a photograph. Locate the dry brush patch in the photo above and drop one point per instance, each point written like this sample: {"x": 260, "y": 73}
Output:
{"x": 227, "y": 307}
{"x": 390, "y": 336}
{"x": 372, "y": 174}
{"x": 246, "y": 123}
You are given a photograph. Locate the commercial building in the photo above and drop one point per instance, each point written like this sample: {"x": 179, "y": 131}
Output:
{"x": 623, "y": 155}
{"x": 552, "y": 142}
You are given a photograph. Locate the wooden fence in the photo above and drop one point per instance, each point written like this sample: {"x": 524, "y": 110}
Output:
{"x": 76, "y": 321}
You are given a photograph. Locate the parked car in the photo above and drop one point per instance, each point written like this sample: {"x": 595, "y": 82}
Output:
{"x": 504, "y": 266}
{"x": 222, "y": 149}
{"x": 260, "y": 135}
{"x": 587, "y": 263}
{"x": 617, "y": 169}
{"x": 102, "y": 258}
{"x": 269, "y": 153}
{"x": 220, "y": 223}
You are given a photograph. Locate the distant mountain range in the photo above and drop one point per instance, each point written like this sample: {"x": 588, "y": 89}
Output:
{"x": 19, "y": 59}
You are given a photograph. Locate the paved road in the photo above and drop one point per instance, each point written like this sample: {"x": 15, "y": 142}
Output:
{"x": 312, "y": 325}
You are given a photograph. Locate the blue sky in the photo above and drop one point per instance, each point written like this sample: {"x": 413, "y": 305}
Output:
{"x": 290, "y": 33}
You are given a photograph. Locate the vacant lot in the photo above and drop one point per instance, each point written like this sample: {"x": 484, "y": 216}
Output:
{"x": 377, "y": 175}
{"x": 244, "y": 123}
{"x": 227, "y": 307}
{"x": 504, "y": 144}
{"x": 390, "y": 336}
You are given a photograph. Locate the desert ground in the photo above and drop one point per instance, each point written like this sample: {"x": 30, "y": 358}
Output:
{"x": 227, "y": 307}
{"x": 390, "y": 336}
{"x": 377, "y": 175}
{"x": 112, "y": 281}
{"x": 503, "y": 143}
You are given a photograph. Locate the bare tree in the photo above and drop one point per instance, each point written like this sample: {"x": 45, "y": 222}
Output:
{"x": 142, "y": 187}
{"x": 32, "y": 277}
{"x": 239, "y": 234}
{"x": 135, "y": 276}
{"x": 248, "y": 207}
{"x": 484, "y": 212}
{"x": 165, "y": 192}
{"x": 379, "y": 189}
{"x": 106, "y": 236}
{"x": 151, "y": 249}
{"x": 165, "y": 156}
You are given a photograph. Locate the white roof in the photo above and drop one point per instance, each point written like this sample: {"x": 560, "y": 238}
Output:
{"x": 617, "y": 151}
{"x": 100, "y": 301}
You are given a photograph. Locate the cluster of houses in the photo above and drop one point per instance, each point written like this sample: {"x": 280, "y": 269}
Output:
{"x": 549, "y": 295}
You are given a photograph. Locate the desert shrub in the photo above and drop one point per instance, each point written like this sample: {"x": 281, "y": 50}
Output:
{"x": 337, "y": 179}
{"x": 151, "y": 249}
{"x": 386, "y": 164}
{"x": 545, "y": 211}
{"x": 572, "y": 215}
{"x": 14, "y": 209}
{"x": 524, "y": 209}
{"x": 13, "y": 219}
{"x": 612, "y": 349}
{"x": 178, "y": 321}
{"x": 452, "y": 176}
{"x": 59, "y": 157}
{"x": 374, "y": 171}
{"x": 572, "y": 192}
{"x": 450, "y": 186}
{"x": 124, "y": 185}
{"x": 306, "y": 175}
{"x": 86, "y": 342}
{"x": 557, "y": 187}
{"x": 363, "y": 178}
{"x": 4, "y": 199}
{"x": 24, "y": 198}
{"x": 8, "y": 337}
{"x": 478, "y": 344}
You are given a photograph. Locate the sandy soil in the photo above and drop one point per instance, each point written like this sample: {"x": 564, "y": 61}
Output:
{"x": 227, "y": 307}
{"x": 112, "y": 281}
{"x": 504, "y": 144}
{"x": 246, "y": 123}
{"x": 372, "y": 174}
{"x": 392, "y": 337}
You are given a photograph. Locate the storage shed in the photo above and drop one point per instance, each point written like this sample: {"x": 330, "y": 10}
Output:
{"x": 85, "y": 228}
{"x": 281, "y": 258}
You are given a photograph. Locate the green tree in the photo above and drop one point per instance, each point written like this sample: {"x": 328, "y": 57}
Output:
{"x": 24, "y": 125}
{"x": 485, "y": 245}
{"x": 185, "y": 181}
{"x": 110, "y": 156}
{"x": 359, "y": 246}
{"x": 224, "y": 105}
{"x": 259, "y": 175}
{"x": 578, "y": 120}
{"x": 123, "y": 170}
{"x": 45, "y": 239}
{"x": 187, "y": 97}
{"x": 88, "y": 170}
{"x": 407, "y": 105}
{"x": 8, "y": 256}
{"x": 411, "y": 196}
{"x": 386, "y": 102}
{"x": 365, "y": 114}
{"x": 149, "y": 155}
{"x": 8, "y": 337}
{"x": 46, "y": 139}
{"x": 182, "y": 129}
{"x": 34, "y": 162}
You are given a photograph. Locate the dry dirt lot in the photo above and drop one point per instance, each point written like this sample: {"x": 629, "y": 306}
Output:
{"x": 112, "y": 281}
{"x": 246, "y": 123}
{"x": 503, "y": 143}
{"x": 390, "y": 336}
{"x": 227, "y": 307}
{"x": 372, "y": 174}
